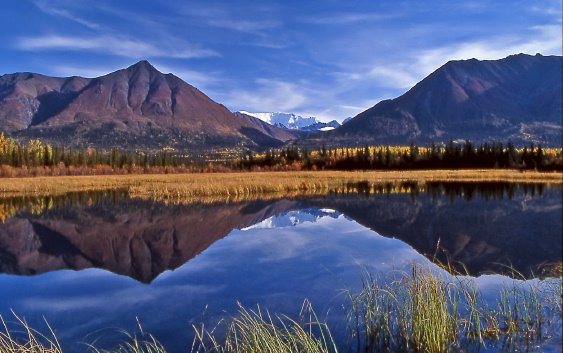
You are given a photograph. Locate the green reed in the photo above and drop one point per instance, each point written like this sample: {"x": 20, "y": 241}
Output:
{"x": 257, "y": 331}
{"x": 417, "y": 311}
{"x": 426, "y": 312}
{"x": 145, "y": 343}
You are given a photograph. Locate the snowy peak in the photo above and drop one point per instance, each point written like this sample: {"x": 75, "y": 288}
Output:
{"x": 294, "y": 218}
{"x": 291, "y": 121}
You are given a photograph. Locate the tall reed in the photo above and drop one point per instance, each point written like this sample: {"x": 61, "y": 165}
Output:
{"x": 426, "y": 312}
{"x": 257, "y": 331}
{"x": 423, "y": 310}
{"x": 25, "y": 339}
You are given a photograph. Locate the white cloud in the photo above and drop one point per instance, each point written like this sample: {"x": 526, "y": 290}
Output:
{"x": 542, "y": 39}
{"x": 50, "y": 9}
{"x": 83, "y": 71}
{"x": 403, "y": 72}
{"x": 270, "y": 96}
{"x": 396, "y": 76}
{"x": 121, "y": 46}
{"x": 244, "y": 25}
{"x": 348, "y": 18}
{"x": 200, "y": 80}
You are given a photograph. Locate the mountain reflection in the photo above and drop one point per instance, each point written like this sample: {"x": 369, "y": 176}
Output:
{"x": 484, "y": 226}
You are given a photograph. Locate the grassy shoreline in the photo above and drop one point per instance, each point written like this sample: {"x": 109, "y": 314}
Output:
{"x": 252, "y": 183}
{"x": 385, "y": 315}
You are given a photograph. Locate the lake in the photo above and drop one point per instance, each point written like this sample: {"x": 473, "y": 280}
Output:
{"x": 92, "y": 264}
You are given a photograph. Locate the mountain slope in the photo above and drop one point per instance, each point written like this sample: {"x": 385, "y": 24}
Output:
{"x": 137, "y": 107}
{"x": 271, "y": 131}
{"x": 518, "y": 98}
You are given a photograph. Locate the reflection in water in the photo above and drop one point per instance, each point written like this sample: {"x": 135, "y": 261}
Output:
{"x": 132, "y": 237}
{"x": 478, "y": 228}
{"x": 36, "y": 205}
{"x": 278, "y": 252}
{"x": 453, "y": 190}
{"x": 486, "y": 227}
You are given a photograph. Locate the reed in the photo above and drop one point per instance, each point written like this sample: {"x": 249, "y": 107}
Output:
{"x": 425, "y": 312}
{"x": 257, "y": 331}
{"x": 251, "y": 183}
{"x": 133, "y": 344}
{"x": 24, "y": 339}
{"x": 419, "y": 311}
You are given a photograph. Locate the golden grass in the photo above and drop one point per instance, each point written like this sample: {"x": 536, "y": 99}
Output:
{"x": 249, "y": 183}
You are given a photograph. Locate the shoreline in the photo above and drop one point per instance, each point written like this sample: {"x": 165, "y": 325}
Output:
{"x": 249, "y": 183}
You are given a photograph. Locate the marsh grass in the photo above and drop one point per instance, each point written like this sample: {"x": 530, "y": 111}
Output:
{"x": 21, "y": 338}
{"x": 253, "y": 331}
{"x": 425, "y": 312}
{"x": 242, "y": 184}
{"x": 146, "y": 343}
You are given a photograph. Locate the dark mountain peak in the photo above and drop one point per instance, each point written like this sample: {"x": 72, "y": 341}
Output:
{"x": 142, "y": 65}
{"x": 135, "y": 107}
{"x": 517, "y": 98}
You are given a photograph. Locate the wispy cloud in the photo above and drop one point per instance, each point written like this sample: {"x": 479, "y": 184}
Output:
{"x": 347, "y": 18}
{"x": 243, "y": 25}
{"x": 122, "y": 46}
{"x": 258, "y": 26}
{"x": 49, "y": 8}
{"x": 270, "y": 95}
{"x": 542, "y": 39}
{"x": 403, "y": 72}
{"x": 83, "y": 71}
{"x": 204, "y": 81}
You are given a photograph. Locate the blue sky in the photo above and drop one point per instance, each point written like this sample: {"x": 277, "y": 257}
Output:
{"x": 327, "y": 58}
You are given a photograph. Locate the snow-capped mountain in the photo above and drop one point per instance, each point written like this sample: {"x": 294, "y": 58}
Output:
{"x": 294, "y": 122}
{"x": 293, "y": 218}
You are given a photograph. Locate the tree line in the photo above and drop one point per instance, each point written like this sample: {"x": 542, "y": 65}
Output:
{"x": 35, "y": 154}
{"x": 36, "y": 158}
{"x": 450, "y": 156}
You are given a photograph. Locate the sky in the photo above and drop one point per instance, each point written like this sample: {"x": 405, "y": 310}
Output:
{"x": 329, "y": 59}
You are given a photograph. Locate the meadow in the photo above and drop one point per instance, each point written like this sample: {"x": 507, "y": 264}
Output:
{"x": 241, "y": 184}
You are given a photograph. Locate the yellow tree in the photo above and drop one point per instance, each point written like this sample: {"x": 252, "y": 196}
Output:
{"x": 35, "y": 151}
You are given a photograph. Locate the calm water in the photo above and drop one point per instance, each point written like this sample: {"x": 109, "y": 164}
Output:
{"x": 91, "y": 263}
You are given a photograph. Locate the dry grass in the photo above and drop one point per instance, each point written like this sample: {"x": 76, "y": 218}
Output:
{"x": 247, "y": 184}
{"x": 21, "y": 338}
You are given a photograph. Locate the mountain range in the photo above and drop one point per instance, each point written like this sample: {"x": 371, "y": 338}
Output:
{"x": 294, "y": 122}
{"x": 518, "y": 98}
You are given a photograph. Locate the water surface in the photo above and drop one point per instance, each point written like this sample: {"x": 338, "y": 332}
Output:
{"x": 89, "y": 263}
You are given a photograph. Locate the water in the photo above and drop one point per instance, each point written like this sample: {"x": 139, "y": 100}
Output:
{"x": 94, "y": 263}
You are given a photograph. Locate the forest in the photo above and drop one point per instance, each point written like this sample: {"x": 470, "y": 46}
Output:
{"x": 35, "y": 158}
{"x": 451, "y": 156}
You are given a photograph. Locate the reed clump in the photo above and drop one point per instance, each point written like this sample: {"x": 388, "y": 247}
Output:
{"x": 146, "y": 343}
{"x": 256, "y": 331}
{"x": 21, "y": 338}
{"x": 425, "y": 312}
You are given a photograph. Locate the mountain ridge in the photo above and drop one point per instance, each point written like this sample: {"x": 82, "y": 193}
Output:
{"x": 517, "y": 98}
{"x": 135, "y": 107}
